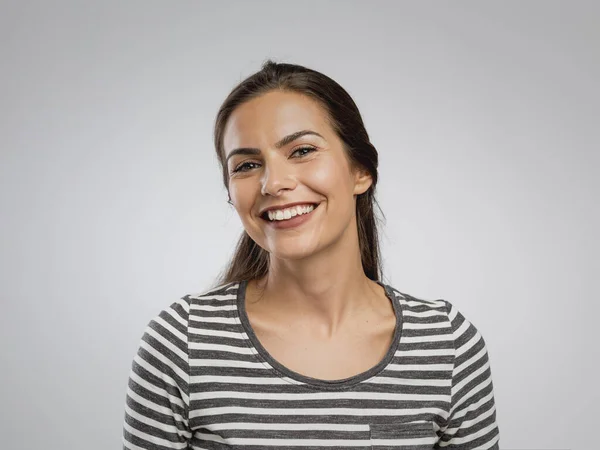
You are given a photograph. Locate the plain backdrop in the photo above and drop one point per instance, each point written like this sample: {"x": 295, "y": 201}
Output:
{"x": 486, "y": 119}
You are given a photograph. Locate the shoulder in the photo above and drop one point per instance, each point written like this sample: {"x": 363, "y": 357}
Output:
{"x": 215, "y": 302}
{"x": 181, "y": 308}
{"x": 217, "y": 293}
{"x": 436, "y": 310}
{"x": 412, "y": 305}
{"x": 172, "y": 321}
{"x": 467, "y": 339}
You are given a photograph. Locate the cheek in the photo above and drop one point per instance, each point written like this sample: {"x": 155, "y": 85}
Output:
{"x": 244, "y": 194}
{"x": 328, "y": 178}
{"x": 239, "y": 196}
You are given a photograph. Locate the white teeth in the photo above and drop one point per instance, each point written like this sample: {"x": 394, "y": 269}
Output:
{"x": 288, "y": 213}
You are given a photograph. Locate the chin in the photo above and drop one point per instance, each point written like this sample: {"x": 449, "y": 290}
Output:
{"x": 291, "y": 252}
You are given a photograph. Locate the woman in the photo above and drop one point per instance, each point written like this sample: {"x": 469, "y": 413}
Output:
{"x": 300, "y": 345}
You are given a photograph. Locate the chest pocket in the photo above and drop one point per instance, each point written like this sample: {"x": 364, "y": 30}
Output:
{"x": 403, "y": 436}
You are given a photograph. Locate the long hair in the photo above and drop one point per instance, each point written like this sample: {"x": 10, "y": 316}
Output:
{"x": 251, "y": 261}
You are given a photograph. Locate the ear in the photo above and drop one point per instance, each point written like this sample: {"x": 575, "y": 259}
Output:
{"x": 362, "y": 181}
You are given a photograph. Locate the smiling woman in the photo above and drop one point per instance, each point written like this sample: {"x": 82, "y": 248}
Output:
{"x": 299, "y": 344}
{"x": 281, "y": 151}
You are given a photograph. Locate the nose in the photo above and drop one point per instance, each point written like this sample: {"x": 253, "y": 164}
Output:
{"x": 276, "y": 177}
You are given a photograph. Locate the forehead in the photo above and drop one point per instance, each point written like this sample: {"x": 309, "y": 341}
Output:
{"x": 266, "y": 119}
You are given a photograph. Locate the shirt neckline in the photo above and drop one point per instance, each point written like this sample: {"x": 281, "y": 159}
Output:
{"x": 330, "y": 384}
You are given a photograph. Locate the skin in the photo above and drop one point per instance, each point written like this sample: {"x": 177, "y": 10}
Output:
{"x": 316, "y": 312}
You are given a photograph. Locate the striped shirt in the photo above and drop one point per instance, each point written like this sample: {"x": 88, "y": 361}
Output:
{"x": 202, "y": 380}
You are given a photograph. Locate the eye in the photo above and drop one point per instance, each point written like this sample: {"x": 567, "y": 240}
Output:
{"x": 242, "y": 166}
{"x": 309, "y": 150}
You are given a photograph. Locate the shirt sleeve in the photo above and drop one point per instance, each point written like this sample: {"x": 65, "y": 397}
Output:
{"x": 157, "y": 400}
{"x": 472, "y": 417}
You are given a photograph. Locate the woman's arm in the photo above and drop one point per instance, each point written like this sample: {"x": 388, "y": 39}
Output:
{"x": 472, "y": 420}
{"x": 157, "y": 401}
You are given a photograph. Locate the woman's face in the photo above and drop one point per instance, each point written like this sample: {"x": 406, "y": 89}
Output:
{"x": 270, "y": 163}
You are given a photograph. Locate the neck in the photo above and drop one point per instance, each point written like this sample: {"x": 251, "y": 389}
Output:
{"x": 326, "y": 290}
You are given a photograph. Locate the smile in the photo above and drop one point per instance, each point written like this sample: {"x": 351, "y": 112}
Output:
{"x": 290, "y": 217}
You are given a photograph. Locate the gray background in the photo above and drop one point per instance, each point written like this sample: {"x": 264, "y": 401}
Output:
{"x": 485, "y": 115}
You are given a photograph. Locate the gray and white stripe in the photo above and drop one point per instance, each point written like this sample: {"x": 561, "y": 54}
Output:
{"x": 199, "y": 382}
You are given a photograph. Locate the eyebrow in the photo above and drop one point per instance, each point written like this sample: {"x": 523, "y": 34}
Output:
{"x": 281, "y": 143}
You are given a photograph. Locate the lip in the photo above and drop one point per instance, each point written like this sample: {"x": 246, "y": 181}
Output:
{"x": 287, "y": 205}
{"x": 293, "y": 222}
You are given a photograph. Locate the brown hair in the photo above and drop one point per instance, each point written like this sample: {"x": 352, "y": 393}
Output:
{"x": 251, "y": 261}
